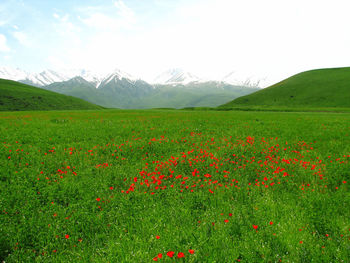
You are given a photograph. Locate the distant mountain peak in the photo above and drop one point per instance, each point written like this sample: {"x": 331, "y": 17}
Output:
{"x": 121, "y": 74}
{"x": 12, "y": 73}
{"x": 48, "y": 76}
{"x": 241, "y": 78}
{"x": 175, "y": 76}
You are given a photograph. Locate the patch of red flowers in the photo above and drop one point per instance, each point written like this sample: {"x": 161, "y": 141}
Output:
{"x": 170, "y": 254}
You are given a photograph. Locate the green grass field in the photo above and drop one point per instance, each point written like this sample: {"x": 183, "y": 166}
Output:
{"x": 15, "y": 96}
{"x": 315, "y": 89}
{"x": 174, "y": 186}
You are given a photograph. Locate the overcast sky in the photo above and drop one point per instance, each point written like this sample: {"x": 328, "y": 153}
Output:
{"x": 209, "y": 38}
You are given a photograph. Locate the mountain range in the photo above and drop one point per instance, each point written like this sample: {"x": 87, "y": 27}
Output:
{"x": 174, "y": 88}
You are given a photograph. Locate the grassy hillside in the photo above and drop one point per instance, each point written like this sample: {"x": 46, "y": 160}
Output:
{"x": 321, "y": 88}
{"x": 208, "y": 94}
{"x": 17, "y": 96}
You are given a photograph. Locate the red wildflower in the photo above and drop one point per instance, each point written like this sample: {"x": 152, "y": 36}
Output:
{"x": 191, "y": 251}
{"x": 271, "y": 222}
{"x": 157, "y": 237}
{"x": 155, "y": 259}
{"x": 170, "y": 254}
{"x": 180, "y": 255}
{"x": 255, "y": 226}
{"x": 160, "y": 255}
{"x": 98, "y": 199}
{"x": 66, "y": 236}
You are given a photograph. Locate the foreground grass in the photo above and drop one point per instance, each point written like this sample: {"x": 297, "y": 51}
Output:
{"x": 134, "y": 186}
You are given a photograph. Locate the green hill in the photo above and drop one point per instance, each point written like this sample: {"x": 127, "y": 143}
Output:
{"x": 321, "y": 88}
{"x": 17, "y": 96}
{"x": 206, "y": 94}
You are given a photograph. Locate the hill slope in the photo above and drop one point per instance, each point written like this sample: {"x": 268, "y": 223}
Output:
{"x": 204, "y": 94}
{"x": 17, "y": 96}
{"x": 320, "y": 88}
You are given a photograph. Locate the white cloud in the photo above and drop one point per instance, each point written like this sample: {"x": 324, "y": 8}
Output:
{"x": 3, "y": 44}
{"x": 210, "y": 38}
{"x": 124, "y": 18}
{"x": 100, "y": 21}
{"x": 56, "y": 62}
{"x": 64, "y": 18}
{"x": 22, "y": 38}
{"x": 67, "y": 31}
{"x": 125, "y": 12}
{"x": 271, "y": 38}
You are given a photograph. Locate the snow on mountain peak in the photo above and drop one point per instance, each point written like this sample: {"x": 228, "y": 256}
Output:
{"x": 118, "y": 74}
{"x": 175, "y": 76}
{"x": 48, "y": 76}
{"x": 242, "y": 78}
{"x": 12, "y": 74}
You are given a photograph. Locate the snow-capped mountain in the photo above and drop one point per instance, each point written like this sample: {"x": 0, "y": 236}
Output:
{"x": 241, "y": 78}
{"x": 175, "y": 76}
{"x": 175, "y": 88}
{"x": 48, "y": 76}
{"x": 37, "y": 79}
{"x": 118, "y": 74}
{"x": 13, "y": 74}
{"x": 88, "y": 75}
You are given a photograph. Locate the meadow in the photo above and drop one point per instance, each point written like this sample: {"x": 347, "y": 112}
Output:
{"x": 174, "y": 186}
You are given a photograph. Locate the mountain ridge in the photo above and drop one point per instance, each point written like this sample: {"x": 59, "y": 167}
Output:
{"x": 121, "y": 90}
{"x": 173, "y": 76}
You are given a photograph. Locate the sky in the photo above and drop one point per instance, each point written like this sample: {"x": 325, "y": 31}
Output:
{"x": 209, "y": 38}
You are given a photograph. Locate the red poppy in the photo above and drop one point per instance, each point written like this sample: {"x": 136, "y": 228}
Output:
{"x": 170, "y": 254}
{"x": 191, "y": 251}
{"x": 255, "y": 226}
{"x": 180, "y": 255}
{"x": 66, "y": 236}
